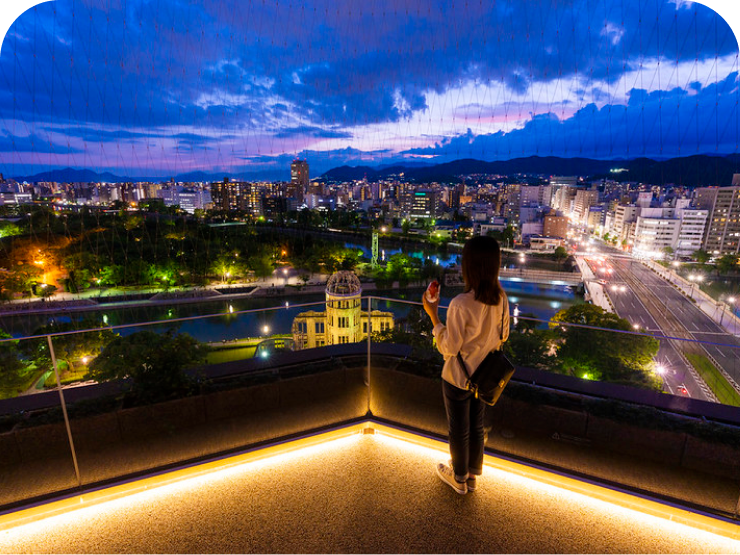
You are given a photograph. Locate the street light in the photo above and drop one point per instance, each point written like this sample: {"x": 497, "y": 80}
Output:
{"x": 730, "y": 301}
{"x": 694, "y": 278}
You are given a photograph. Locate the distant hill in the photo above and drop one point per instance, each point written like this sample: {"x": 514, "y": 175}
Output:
{"x": 699, "y": 170}
{"x": 69, "y": 175}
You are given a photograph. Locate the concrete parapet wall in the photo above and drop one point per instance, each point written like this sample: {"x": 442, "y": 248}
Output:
{"x": 132, "y": 440}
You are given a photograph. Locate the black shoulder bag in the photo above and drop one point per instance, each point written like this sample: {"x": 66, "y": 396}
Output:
{"x": 490, "y": 378}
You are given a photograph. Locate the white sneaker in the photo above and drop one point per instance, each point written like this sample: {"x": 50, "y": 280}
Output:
{"x": 471, "y": 481}
{"x": 447, "y": 475}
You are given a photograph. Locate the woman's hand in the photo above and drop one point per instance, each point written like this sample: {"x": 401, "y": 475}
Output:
{"x": 431, "y": 309}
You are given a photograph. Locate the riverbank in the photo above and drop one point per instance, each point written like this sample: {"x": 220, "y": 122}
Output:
{"x": 94, "y": 303}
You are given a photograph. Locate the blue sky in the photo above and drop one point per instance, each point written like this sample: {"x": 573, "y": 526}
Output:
{"x": 165, "y": 87}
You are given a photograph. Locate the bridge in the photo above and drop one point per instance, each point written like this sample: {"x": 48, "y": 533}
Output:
{"x": 545, "y": 277}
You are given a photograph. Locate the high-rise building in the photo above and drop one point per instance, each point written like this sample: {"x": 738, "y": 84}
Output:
{"x": 723, "y": 226}
{"x": 421, "y": 203}
{"x": 679, "y": 227}
{"x": 188, "y": 199}
{"x": 691, "y": 234}
{"x": 298, "y": 179}
{"x": 584, "y": 199}
{"x": 230, "y": 196}
{"x": 513, "y": 199}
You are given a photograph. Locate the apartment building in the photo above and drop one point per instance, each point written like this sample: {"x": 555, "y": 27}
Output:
{"x": 679, "y": 227}
{"x": 583, "y": 200}
{"x": 236, "y": 195}
{"x": 722, "y": 234}
{"x": 555, "y": 226}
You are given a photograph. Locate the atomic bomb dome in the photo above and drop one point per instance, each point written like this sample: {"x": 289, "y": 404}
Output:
{"x": 343, "y": 321}
{"x": 343, "y": 283}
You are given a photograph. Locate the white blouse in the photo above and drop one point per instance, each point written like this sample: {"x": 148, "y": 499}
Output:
{"x": 473, "y": 329}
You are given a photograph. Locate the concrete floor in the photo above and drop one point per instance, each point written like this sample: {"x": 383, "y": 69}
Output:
{"x": 363, "y": 494}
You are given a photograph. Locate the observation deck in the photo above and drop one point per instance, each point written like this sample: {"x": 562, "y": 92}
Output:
{"x": 333, "y": 449}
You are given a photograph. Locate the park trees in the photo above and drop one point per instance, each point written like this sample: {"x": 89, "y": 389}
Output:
{"x": 727, "y": 263}
{"x": 72, "y": 350}
{"x": 14, "y": 372}
{"x": 589, "y": 353}
{"x": 154, "y": 362}
{"x": 701, "y": 256}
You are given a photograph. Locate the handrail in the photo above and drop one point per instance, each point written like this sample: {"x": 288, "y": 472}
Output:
{"x": 160, "y": 322}
{"x": 584, "y": 326}
{"x": 315, "y": 303}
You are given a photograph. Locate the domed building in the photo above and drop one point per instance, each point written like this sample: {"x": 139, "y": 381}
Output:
{"x": 343, "y": 321}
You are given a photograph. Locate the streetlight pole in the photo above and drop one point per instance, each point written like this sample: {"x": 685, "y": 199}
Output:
{"x": 693, "y": 278}
{"x": 730, "y": 301}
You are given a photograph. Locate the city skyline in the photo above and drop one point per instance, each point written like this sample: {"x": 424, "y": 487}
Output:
{"x": 165, "y": 88}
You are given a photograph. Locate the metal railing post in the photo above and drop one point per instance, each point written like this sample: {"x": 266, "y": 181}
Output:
{"x": 64, "y": 409}
{"x": 369, "y": 334}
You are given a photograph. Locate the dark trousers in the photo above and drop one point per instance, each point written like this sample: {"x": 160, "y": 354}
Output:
{"x": 465, "y": 417}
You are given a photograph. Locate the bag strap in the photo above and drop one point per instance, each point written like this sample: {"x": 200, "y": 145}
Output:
{"x": 462, "y": 363}
{"x": 459, "y": 355}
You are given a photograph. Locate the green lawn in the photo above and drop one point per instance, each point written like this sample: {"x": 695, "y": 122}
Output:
{"x": 229, "y": 355}
{"x": 18, "y": 384}
{"x": 66, "y": 375}
{"x": 726, "y": 394}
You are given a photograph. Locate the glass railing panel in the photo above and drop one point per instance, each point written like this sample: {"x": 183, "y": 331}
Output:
{"x": 632, "y": 407}
{"x": 35, "y": 454}
{"x": 629, "y": 406}
{"x": 405, "y": 366}
{"x": 192, "y": 387}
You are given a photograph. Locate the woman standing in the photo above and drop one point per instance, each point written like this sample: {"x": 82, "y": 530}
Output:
{"x": 477, "y": 323}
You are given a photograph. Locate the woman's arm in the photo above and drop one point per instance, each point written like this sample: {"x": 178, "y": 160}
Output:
{"x": 450, "y": 337}
{"x": 431, "y": 309}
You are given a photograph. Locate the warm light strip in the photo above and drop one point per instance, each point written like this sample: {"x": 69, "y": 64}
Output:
{"x": 624, "y": 500}
{"x": 88, "y": 499}
{"x": 618, "y": 498}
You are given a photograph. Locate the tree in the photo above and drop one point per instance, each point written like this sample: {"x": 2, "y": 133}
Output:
{"x": 702, "y": 257}
{"x": 155, "y": 363}
{"x": 68, "y": 348}
{"x": 668, "y": 253}
{"x": 223, "y": 267}
{"x": 605, "y": 355}
{"x": 560, "y": 254}
{"x": 8, "y": 229}
{"x": 405, "y": 226}
{"x": 12, "y": 370}
{"x": 727, "y": 264}
{"x": 530, "y": 348}
{"x": 261, "y": 266}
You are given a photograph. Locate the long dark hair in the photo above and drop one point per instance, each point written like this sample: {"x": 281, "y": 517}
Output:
{"x": 481, "y": 260}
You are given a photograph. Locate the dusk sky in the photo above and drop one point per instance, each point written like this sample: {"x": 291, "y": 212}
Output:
{"x": 157, "y": 88}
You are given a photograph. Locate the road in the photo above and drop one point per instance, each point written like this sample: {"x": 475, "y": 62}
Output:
{"x": 645, "y": 301}
{"x": 655, "y": 305}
